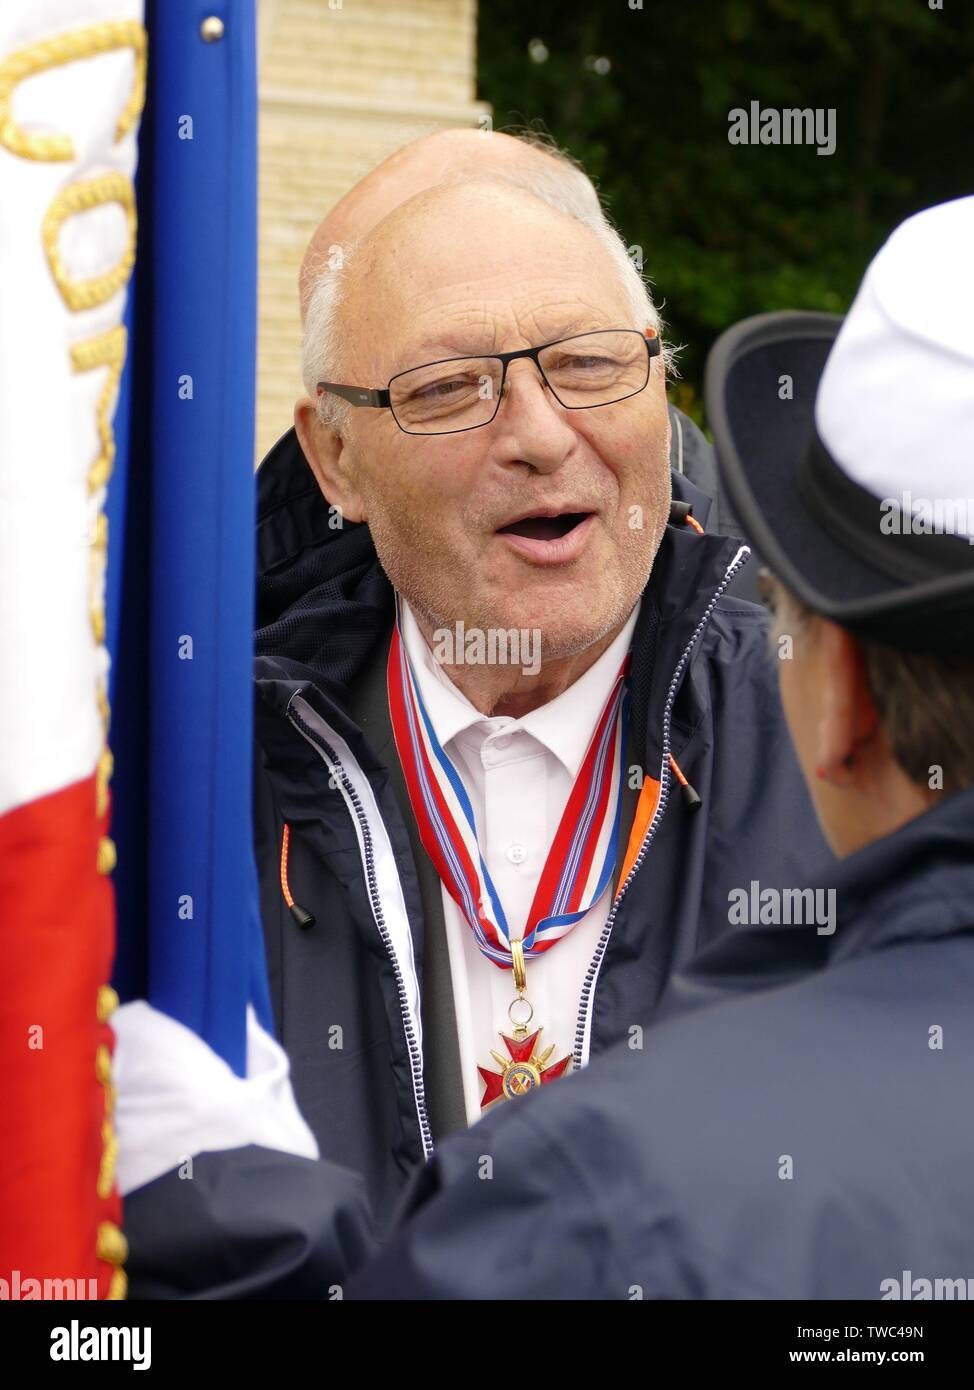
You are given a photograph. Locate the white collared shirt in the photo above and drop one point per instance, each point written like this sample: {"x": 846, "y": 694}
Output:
{"x": 518, "y": 774}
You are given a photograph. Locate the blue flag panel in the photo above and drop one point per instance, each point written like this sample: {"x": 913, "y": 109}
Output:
{"x": 181, "y": 570}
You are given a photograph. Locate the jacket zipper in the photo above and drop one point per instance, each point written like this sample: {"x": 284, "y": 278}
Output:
{"x": 353, "y": 800}
{"x": 588, "y": 987}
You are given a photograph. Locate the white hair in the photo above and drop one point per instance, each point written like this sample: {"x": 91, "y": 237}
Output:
{"x": 322, "y": 348}
{"x": 563, "y": 187}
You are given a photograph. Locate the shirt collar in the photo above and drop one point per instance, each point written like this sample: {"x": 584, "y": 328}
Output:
{"x": 564, "y": 725}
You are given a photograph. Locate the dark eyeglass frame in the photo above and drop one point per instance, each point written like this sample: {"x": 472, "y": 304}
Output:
{"x": 381, "y": 398}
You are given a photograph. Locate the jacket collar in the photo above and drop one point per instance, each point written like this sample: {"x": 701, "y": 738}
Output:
{"x": 917, "y": 883}
{"x": 914, "y": 885}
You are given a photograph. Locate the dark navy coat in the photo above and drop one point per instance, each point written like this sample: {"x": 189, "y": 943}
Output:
{"x": 265, "y": 1224}
{"x": 807, "y": 1134}
{"x": 703, "y": 688}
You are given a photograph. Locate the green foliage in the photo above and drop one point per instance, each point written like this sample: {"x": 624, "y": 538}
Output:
{"x": 731, "y": 230}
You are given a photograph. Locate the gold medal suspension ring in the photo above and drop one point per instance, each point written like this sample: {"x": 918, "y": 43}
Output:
{"x": 520, "y": 984}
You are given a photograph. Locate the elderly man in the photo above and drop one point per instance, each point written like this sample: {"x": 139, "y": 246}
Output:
{"x": 256, "y": 1177}
{"x": 809, "y": 1134}
{"x": 491, "y": 649}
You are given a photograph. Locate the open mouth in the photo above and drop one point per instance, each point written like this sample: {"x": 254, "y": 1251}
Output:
{"x": 556, "y": 539}
{"x": 544, "y": 528}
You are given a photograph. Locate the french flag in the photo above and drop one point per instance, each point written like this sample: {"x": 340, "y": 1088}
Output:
{"x": 127, "y": 363}
{"x": 72, "y": 82}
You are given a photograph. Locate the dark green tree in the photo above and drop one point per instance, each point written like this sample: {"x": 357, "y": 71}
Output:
{"x": 640, "y": 94}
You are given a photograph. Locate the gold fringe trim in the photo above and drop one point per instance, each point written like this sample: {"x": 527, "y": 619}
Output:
{"x": 106, "y": 1172}
{"x": 107, "y": 856}
{"x": 111, "y": 1245}
{"x": 103, "y": 775}
{"x": 107, "y": 1003}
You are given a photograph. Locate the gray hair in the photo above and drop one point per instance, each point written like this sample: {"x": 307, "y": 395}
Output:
{"x": 563, "y": 186}
{"x": 924, "y": 702}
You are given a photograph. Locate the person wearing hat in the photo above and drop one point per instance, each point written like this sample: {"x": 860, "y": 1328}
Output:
{"x": 799, "y": 1124}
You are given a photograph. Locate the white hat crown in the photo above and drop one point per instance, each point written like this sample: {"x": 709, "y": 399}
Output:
{"x": 895, "y": 406}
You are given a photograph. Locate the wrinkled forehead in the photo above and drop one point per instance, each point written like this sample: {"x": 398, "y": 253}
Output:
{"x": 476, "y": 270}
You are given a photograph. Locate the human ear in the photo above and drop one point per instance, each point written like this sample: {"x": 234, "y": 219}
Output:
{"x": 328, "y": 458}
{"x": 848, "y": 723}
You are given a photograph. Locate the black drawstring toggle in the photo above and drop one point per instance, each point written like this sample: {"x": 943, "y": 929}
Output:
{"x": 691, "y": 799}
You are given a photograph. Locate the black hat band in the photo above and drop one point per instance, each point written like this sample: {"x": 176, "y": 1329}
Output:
{"x": 852, "y": 516}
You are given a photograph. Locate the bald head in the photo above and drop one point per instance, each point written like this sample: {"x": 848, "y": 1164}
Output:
{"x": 421, "y": 165}
{"x": 347, "y": 329}
{"x": 399, "y": 265}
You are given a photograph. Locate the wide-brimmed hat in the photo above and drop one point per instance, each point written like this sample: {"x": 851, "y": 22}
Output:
{"x": 847, "y": 445}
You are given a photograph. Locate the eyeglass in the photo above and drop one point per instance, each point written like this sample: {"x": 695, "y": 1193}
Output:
{"x": 463, "y": 393}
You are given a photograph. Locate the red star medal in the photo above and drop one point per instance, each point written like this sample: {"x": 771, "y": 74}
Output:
{"x": 525, "y": 1069}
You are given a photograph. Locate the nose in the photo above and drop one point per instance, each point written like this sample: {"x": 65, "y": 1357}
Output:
{"x": 535, "y": 426}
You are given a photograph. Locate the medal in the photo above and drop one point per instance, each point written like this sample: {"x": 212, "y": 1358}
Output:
{"x": 526, "y": 1066}
{"x": 579, "y": 865}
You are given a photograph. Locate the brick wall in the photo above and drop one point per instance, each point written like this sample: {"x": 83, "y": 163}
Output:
{"x": 342, "y": 84}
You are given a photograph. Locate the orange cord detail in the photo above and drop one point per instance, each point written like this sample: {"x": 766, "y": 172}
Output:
{"x": 675, "y": 769}
{"x": 692, "y": 521}
{"x": 284, "y": 844}
{"x": 691, "y": 798}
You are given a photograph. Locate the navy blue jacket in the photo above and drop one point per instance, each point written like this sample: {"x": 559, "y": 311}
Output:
{"x": 812, "y": 1139}
{"x": 259, "y": 1223}
{"x": 703, "y": 687}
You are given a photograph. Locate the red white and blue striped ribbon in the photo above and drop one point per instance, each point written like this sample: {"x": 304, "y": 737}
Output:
{"x": 582, "y": 856}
